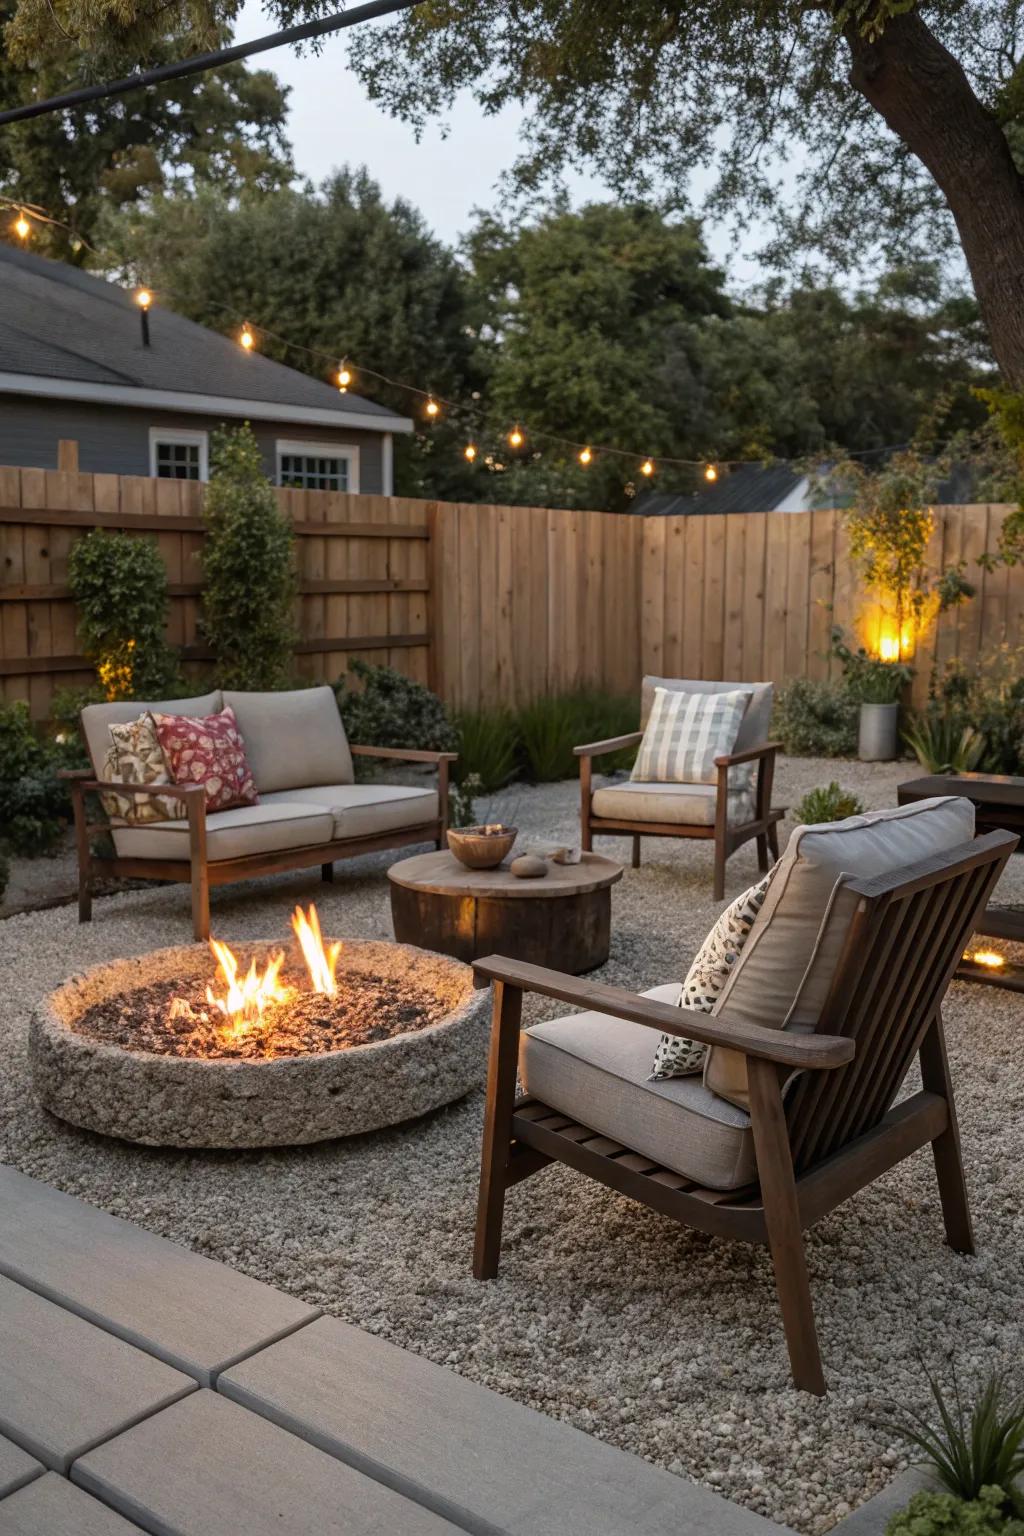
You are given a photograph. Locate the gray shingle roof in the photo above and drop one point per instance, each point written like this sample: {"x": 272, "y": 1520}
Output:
{"x": 747, "y": 488}
{"x": 59, "y": 323}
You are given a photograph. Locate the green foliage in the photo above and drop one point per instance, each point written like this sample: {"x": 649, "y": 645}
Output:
{"x": 943, "y": 744}
{"x": 971, "y": 1448}
{"x": 488, "y": 749}
{"x": 387, "y": 709}
{"x": 461, "y": 810}
{"x": 868, "y": 679}
{"x": 828, "y": 803}
{"x": 941, "y": 1514}
{"x": 119, "y": 585}
{"x": 550, "y": 728}
{"x": 5, "y": 871}
{"x": 816, "y": 719}
{"x": 33, "y": 801}
{"x": 1007, "y": 411}
{"x": 988, "y": 700}
{"x": 66, "y": 740}
{"x": 248, "y": 568}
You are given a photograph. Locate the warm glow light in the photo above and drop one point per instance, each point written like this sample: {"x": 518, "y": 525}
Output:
{"x": 246, "y": 998}
{"x": 893, "y": 644}
{"x": 432, "y": 409}
{"x": 889, "y": 647}
{"x": 647, "y": 467}
{"x": 988, "y": 957}
{"x": 143, "y": 298}
{"x": 247, "y": 338}
{"x": 585, "y": 456}
{"x": 321, "y": 964}
{"x": 21, "y": 226}
{"x": 344, "y": 377}
{"x": 710, "y": 472}
{"x": 469, "y": 452}
{"x": 515, "y": 437}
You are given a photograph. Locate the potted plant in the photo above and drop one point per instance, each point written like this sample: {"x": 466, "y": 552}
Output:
{"x": 877, "y": 686}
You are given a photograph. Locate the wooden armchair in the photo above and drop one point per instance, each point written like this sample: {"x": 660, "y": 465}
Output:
{"x": 652, "y": 810}
{"x": 823, "y": 1112}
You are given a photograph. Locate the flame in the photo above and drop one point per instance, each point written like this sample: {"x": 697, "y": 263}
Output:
{"x": 321, "y": 964}
{"x": 246, "y": 998}
{"x": 987, "y": 957}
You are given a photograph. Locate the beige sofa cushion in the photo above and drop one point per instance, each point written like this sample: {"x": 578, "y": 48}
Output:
{"x": 97, "y": 718}
{"x": 756, "y": 722}
{"x": 292, "y": 738}
{"x": 365, "y": 810}
{"x": 787, "y": 964}
{"x": 231, "y": 834}
{"x": 677, "y": 805}
{"x": 595, "y": 1068}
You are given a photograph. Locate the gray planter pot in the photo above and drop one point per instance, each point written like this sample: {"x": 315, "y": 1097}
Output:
{"x": 879, "y": 737}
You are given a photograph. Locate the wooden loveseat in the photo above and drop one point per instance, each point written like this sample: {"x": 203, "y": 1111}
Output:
{"x": 310, "y": 809}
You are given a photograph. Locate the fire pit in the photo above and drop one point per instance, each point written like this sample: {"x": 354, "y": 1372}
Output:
{"x": 267, "y": 1047}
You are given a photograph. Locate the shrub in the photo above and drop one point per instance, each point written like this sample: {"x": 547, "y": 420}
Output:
{"x": 33, "y": 801}
{"x": 943, "y": 744}
{"x": 991, "y": 701}
{"x": 119, "y": 584}
{"x": 816, "y": 719}
{"x": 391, "y": 710}
{"x": 832, "y": 803}
{"x": 489, "y": 748}
{"x": 940, "y": 1514}
{"x": 5, "y": 872}
{"x": 461, "y": 810}
{"x": 66, "y": 740}
{"x": 248, "y": 569}
{"x": 868, "y": 679}
{"x": 974, "y": 1449}
{"x": 550, "y": 728}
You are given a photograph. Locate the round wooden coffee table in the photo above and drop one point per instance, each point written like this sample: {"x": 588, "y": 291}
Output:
{"x": 562, "y": 920}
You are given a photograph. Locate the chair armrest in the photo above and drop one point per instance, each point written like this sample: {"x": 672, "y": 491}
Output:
{"x": 750, "y": 755}
{"x": 186, "y": 792}
{"x": 613, "y": 744}
{"x": 74, "y": 773}
{"x": 798, "y": 1052}
{"x": 409, "y": 755}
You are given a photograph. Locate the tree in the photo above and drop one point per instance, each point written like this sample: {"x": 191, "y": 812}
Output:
{"x": 224, "y": 129}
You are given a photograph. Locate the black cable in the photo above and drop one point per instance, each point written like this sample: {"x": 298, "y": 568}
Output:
{"x": 203, "y": 61}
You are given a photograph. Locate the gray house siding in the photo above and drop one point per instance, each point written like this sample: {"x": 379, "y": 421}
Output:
{"x": 115, "y": 439}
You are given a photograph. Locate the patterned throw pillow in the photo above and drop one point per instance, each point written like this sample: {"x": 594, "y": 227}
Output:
{"x": 676, "y": 1057}
{"x": 136, "y": 757}
{"x": 685, "y": 732}
{"x": 209, "y": 750}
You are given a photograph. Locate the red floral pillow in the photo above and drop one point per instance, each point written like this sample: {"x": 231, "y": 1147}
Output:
{"x": 208, "y": 750}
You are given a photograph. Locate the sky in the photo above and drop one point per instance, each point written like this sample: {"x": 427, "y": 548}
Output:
{"x": 332, "y": 122}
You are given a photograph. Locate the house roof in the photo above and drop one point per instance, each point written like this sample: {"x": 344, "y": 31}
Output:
{"x": 776, "y": 488}
{"x": 68, "y": 334}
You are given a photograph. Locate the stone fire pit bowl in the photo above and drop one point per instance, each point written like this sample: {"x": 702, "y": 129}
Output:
{"x": 195, "y": 1102}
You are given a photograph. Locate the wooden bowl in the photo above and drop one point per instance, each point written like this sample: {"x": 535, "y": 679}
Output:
{"x": 479, "y": 849}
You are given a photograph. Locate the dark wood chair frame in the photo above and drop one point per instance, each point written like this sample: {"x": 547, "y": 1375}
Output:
{"x": 200, "y": 872}
{"x": 728, "y": 837}
{"x": 835, "y": 1128}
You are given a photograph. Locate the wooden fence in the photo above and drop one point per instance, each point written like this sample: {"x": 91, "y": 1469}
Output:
{"x": 496, "y": 605}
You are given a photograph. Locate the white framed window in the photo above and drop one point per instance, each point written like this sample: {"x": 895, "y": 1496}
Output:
{"x": 317, "y": 466}
{"x": 178, "y": 455}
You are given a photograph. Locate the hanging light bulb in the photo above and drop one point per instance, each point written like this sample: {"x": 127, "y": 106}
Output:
{"x": 432, "y": 408}
{"x": 469, "y": 452}
{"x": 515, "y": 437}
{"x": 247, "y": 338}
{"x": 21, "y": 226}
{"x": 585, "y": 456}
{"x": 710, "y": 472}
{"x": 143, "y": 298}
{"x": 344, "y": 375}
{"x": 647, "y": 467}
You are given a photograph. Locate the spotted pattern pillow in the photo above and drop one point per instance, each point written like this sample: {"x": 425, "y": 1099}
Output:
{"x": 135, "y": 756}
{"x": 678, "y": 1057}
{"x": 209, "y": 750}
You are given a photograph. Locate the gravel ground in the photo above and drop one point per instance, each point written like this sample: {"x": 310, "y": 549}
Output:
{"x": 663, "y": 1341}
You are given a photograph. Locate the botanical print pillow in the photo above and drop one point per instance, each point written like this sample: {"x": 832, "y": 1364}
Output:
{"x": 136, "y": 757}
{"x": 209, "y": 750}
{"x": 676, "y": 1057}
{"x": 684, "y": 734}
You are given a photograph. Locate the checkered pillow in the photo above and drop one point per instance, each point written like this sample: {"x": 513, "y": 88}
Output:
{"x": 685, "y": 733}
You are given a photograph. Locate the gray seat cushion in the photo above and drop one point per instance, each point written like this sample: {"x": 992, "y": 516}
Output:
{"x": 756, "y": 722}
{"x": 292, "y": 738}
{"x": 231, "y": 834}
{"x": 365, "y": 810}
{"x": 97, "y": 718}
{"x": 677, "y": 805}
{"x": 595, "y": 1068}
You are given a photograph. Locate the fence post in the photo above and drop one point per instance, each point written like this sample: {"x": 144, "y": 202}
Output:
{"x": 67, "y": 455}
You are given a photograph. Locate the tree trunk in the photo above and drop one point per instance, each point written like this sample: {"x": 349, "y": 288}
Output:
{"x": 923, "y": 94}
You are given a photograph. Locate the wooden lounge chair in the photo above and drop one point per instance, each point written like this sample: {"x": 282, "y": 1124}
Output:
{"x": 691, "y": 810}
{"x": 823, "y": 1105}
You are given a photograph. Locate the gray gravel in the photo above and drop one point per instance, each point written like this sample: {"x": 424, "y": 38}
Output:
{"x": 660, "y": 1340}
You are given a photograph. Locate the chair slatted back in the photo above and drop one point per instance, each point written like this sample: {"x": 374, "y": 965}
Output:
{"x": 908, "y": 934}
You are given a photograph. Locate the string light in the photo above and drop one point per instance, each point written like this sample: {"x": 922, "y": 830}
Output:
{"x": 585, "y": 456}
{"x": 515, "y": 437}
{"x": 344, "y": 376}
{"x": 710, "y": 472}
{"x": 143, "y": 298}
{"x": 647, "y": 467}
{"x": 469, "y": 452}
{"x": 247, "y": 338}
{"x": 432, "y": 408}
{"x": 21, "y": 226}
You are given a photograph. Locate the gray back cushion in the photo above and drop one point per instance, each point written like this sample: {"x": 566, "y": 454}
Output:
{"x": 293, "y": 740}
{"x": 756, "y": 720}
{"x": 97, "y": 718}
